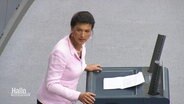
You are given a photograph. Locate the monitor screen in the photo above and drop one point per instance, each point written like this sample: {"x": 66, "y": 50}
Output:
{"x": 157, "y": 51}
{"x": 155, "y": 65}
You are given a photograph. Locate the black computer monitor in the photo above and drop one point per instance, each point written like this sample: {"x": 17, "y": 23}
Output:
{"x": 155, "y": 65}
{"x": 157, "y": 51}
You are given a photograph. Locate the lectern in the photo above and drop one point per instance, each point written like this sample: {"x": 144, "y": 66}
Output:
{"x": 134, "y": 95}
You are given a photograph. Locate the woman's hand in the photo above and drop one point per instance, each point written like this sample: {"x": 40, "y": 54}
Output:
{"x": 93, "y": 67}
{"x": 87, "y": 98}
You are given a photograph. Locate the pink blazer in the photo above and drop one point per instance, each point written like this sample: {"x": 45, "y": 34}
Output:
{"x": 64, "y": 69}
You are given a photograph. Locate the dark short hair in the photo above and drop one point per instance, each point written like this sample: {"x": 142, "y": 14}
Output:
{"x": 82, "y": 17}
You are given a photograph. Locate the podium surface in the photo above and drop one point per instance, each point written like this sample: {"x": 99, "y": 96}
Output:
{"x": 134, "y": 95}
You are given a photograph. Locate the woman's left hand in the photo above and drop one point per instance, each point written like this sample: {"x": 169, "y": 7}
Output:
{"x": 93, "y": 67}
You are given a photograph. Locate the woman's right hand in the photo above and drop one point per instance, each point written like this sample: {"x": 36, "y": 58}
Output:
{"x": 87, "y": 98}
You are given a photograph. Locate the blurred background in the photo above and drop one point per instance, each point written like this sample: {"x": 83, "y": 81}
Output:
{"x": 124, "y": 36}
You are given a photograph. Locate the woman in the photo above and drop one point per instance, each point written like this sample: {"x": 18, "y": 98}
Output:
{"x": 66, "y": 64}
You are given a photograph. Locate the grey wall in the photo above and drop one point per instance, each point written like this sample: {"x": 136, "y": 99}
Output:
{"x": 124, "y": 35}
{"x": 7, "y": 8}
{"x": 11, "y": 13}
{"x": 3, "y": 11}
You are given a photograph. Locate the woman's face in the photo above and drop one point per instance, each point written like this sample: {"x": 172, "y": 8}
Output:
{"x": 81, "y": 33}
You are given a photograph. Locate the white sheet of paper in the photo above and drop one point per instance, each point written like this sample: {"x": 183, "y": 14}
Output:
{"x": 123, "y": 82}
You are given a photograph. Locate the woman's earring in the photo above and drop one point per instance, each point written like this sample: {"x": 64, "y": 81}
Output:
{"x": 71, "y": 34}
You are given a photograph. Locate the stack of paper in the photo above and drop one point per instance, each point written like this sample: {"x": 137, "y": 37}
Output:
{"x": 123, "y": 82}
